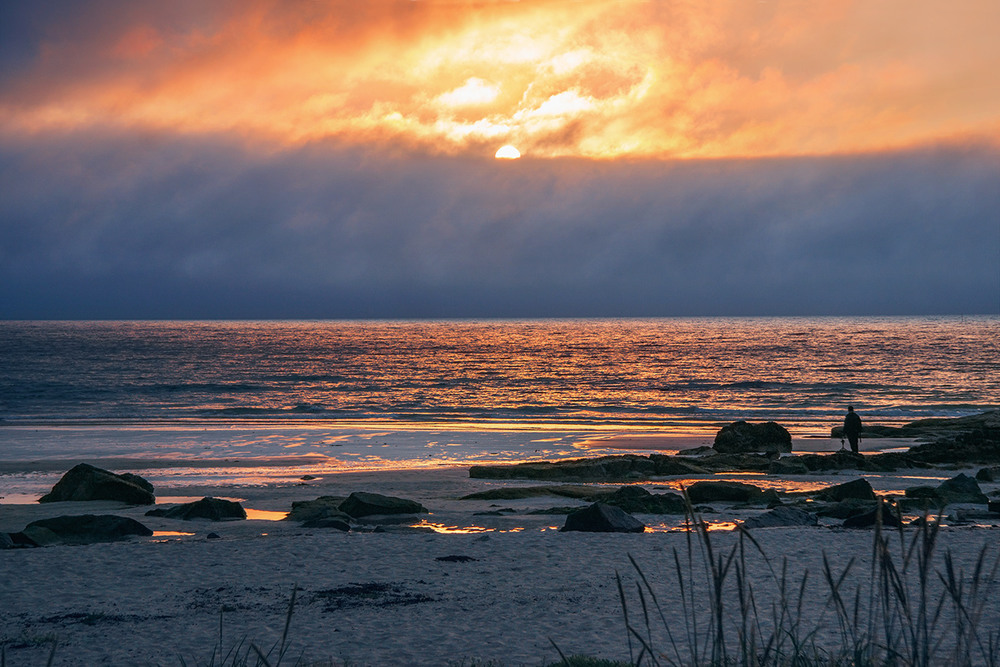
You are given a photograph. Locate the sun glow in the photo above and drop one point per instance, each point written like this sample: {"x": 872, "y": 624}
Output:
{"x": 507, "y": 152}
{"x": 700, "y": 80}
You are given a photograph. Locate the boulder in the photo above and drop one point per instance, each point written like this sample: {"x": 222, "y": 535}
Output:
{"x": 858, "y": 489}
{"x": 737, "y": 462}
{"x": 789, "y": 466}
{"x": 990, "y": 474}
{"x": 738, "y": 492}
{"x": 637, "y": 499}
{"x": 667, "y": 466}
{"x": 742, "y": 436}
{"x": 846, "y": 508}
{"x": 782, "y": 516}
{"x": 979, "y": 445}
{"x": 85, "y": 482}
{"x": 329, "y": 522}
{"x": 627, "y": 467}
{"x": 868, "y": 519}
{"x": 361, "y": 503}
{"x": 601, "y": 518}
{"x": 324, "y": 507}
{"x": 961, "y": 489}
{"x": 213, "y": 509}
{"x": 85, "y": 529}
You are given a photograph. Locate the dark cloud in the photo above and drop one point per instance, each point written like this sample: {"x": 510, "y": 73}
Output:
{"x": 113, "y": 226}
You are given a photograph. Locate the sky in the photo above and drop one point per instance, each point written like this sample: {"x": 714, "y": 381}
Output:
{"x": 335, "y": 159}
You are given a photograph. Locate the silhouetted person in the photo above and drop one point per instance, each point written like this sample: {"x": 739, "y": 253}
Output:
{"x": 852, "y": 428}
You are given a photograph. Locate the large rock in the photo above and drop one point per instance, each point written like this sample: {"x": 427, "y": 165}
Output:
{"x": 324, "y": 507}
{"x": 961, "y": 489}
{"x": 782, "y": 516}
{"x": 85, "y": 529}
{"x": 601, "y": 518}
{"x": 361, "y": 503}
{"x": 979, "y": 445}
{"x": 86, "y": 482}
{"x": 868, "y": 519}
{"x": 637, "y": 499}
{"x": 846, "y": 508}
{"x": 858, "y": 489}
{"x": 213, "y": 509}
{"x": 742, "y": 436}
{"x": 787, "y": 466}
{"x": 737, "y": 492}
{"x": 622, "y": 468}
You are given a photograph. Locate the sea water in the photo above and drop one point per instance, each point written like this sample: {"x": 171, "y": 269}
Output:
{"x": 401, "y": 390}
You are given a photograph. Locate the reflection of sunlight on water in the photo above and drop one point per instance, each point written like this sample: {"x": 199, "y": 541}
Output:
{"x": 462, "y": 530}
{"x": 711, "y": 526}
{"x": 265, "y": 515}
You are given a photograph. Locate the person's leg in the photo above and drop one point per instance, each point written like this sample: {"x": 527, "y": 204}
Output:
{"x": 854, "y": 443}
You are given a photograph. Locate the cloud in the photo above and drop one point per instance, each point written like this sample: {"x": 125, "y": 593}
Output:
{"x": 646, "y": 79}
{"x": 117, "y": 225}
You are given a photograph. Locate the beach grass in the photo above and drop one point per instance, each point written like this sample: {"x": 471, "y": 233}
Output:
{"x": 906, "y": 611}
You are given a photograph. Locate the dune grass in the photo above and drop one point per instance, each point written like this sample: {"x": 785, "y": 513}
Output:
{"x": 906, "y": 611}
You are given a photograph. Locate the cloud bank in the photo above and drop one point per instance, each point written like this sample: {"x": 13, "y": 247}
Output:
{"x": 125, "y": 226}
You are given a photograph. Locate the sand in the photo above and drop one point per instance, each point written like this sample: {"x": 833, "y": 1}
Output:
{"x": 384, "y": 598}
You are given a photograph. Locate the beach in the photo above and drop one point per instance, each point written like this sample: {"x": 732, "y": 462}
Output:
{"x": 380, "y": 594}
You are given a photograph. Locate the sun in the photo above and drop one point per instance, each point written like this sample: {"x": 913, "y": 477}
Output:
{"x": 507, "y": 152}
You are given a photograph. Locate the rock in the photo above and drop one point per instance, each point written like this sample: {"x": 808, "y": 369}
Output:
{"x": 961, "y": 489}
{"x": 634, "y": 499}
{"x": 84, "y": 529}
{"x": 85, "y": 482}
{"x": 213, "y": 536}
{"x": 736, "y": 462}
{"x": 361, "y": 503}
{"x": 521, "y": 492}
{"x": 991, "y": 474}
{"x": 745, "y": 437}
{"x": 456, "y": 559}
{"x": 858, "y": 489}
{"x": 709, "y": 492}
{"x": 846, "y": 508}
{"x": 868, "y": 519}
{"x": 979, "y": 445}
{"x": 782, "y": 516}
{"x": 601, "y": 518}
{"x": 6, "y": 541}
{"x": 329, "y": 522}
{"x": 928, "y": 428}
{"x": 788, "y": 466}
{"x": 213, "y": 509}
{"x": 993, "y": 506}
{"x": 323, "y": 507}
{"x": 627, "y": 467}
{"x": 697, "y": 451}
{"x": 667, "y": 466}
{"x": 843, "y": 459}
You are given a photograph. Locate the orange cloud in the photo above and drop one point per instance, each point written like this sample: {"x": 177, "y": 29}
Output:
{"x": 589, "y": 78}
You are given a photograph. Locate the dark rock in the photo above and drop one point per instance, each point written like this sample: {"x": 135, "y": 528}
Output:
{"x": 868, "y": 519}
{"x": 993, "y": 506}
{"x": 667, "y": 466}
{"x": 709, "y": 492}
{"x": 213, "y": 509}
{"x": 782, "y": 516}
{"x": 736, "y": 463}
{"x": 859, "y": 489}
{"x": 990, "y": 474}
{"x": 788, "y": 466}
{"x": 846, "y": 508}
{"x": 742, "y": 436}
{"x": 697, "y": 451}
{"x": 843, "y": 459}
{"x": 626, "y": 467}
{"x": 328, "y": 522}
{"x": 601, "y": 518}
{"x": 85, "y": 482}
{"x": 84, "y": 529}
{"x": 361, "y": 503}
{"x": 521, "y": 492}
{"x": 929, "y": 428}
{"x": 322, "y": 508}
{"x": 456, "y": 559}
{"x": 922, "y": 493}
{"x": 635, "y": 499}
{"x": 6, "y": 541}
{"x": 961, "y": 489}
{"x": 979, "y": 445}
{"x": 213, "y": 536}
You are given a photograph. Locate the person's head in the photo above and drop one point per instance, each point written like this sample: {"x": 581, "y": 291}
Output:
{"x": 850, "y": 408}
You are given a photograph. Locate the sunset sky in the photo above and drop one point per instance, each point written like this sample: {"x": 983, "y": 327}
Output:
{"x": 194, "y": 159}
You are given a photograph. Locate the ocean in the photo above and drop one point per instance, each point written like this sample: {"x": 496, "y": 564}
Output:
{"x": 682, "y": 374}
{"x": 404, "y": 392}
